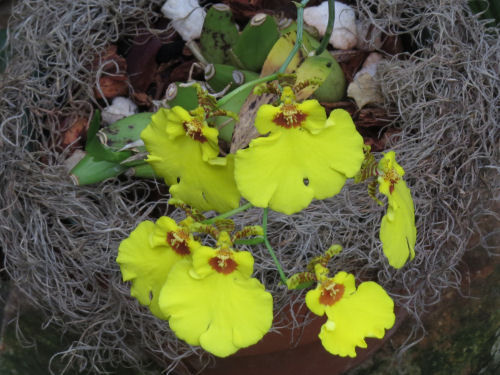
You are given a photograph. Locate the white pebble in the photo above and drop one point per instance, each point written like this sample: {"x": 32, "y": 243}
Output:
{"x": 120, "y": 107}
{"x": 370, "y": 64}
{"x": 344, "y": 35}
{"x": 187, "y": 17}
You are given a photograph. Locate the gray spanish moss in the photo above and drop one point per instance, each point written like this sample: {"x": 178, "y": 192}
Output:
{"x": 60, "y": 241}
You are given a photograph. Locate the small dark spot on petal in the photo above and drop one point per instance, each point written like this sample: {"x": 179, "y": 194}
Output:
{"x": 329, "y": 65}
{"x": 150, "y": 295}
{"x": 306, "y": 181}
{"x": 203, "y": 195}
{"x": 178, "y": 179}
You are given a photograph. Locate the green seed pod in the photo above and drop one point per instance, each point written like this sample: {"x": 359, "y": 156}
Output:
{"x": 218, "y": 35}
{"x": 321, "y": 76}
{"x": 219, "y": 76}
{"x": 185, "y": 97}
{"x": 90, "y": 171}
{"x": 334, "y": 87}
{"x": 255, "y": 42}
{"x": 125, "y": 131}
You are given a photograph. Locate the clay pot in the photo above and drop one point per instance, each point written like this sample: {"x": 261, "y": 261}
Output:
{"x": 273, "y": 355}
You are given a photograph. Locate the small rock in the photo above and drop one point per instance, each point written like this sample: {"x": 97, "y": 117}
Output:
{"x": 187, "y": 17}
{"x": 370, "y": 64}
{"x": 121, "y": 107}
{"x": 364, "y": 90}
{"x": 344, "y": 35}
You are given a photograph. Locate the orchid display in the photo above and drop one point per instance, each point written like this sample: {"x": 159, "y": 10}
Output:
{"x": 207, "y": 292}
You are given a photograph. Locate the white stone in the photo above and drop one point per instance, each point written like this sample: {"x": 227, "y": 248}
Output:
{"x": 120, "y": 107}
{"x": 344, "y": 35}
{"x": 187, "y": 17}
{"x": 363, "y": 88}
{"x": 370, "y": 64}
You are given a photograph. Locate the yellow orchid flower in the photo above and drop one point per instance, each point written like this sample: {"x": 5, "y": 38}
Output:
{"x": 214, "y": 302}
{"x": 397, "y": 230}
{"x": 148, "y": 254}
{"x": 353, "y": 314}
{"x": 183, "y": 150}
{"x": 305, "y": 155}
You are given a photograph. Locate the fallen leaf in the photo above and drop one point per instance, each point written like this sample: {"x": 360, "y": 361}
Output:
{"x": 141, "y": 61}
{"x": 244, "y": 130}
{"x": 364, "y": 90}
{"x": 113, "y": 80}
{"x": 76, "y": 131}
{"x": 111, "y": 86}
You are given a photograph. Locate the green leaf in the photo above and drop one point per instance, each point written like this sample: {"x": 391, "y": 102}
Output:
{"x": 255, "y": 42}
{"x": 126, "y": 130}
{"x": 91, "y": 170}
{"x": 221, "y": 75}
{"x": 96, "y": 149}
{"x": 219, "y": 34}
{"x": 185, "y": 97}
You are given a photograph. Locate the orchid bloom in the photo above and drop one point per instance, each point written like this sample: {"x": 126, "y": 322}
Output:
{"x": 305, "y": 155}
{"x": 397, "y": 230}
{"x": 148, "y": 254}
{"x": 352, "y": 313}
{"x": 184, "y": 150}
{"x": 213, "y": 301}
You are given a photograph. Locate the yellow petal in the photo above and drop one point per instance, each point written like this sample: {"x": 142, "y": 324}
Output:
{"x": 177, "y": 122}
{"x": 366, "y": 313}
{"x": 313, "y": 300}
{"x": 286, "y": 170}
{"x": 397, "y": 230}
{"x": 163, "y": 225}
{"x": 180, "y": 161}
{"x": 222, "y": 313}
{"x": 264, "y": 118}
{"x": 316, "y": 115}
{"x": 243, "y": 261}
{"x": 145, "y": 266}
{"x": 347, "y": 144}
{"x": 207, "y": 186}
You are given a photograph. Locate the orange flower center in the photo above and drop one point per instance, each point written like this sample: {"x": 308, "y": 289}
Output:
{"x": 289, "y": 116}
{"x": 178, "y": 241}
{"x": 331, "y": 293}
{"x": 223, "y": 262}
{"x": 193, "y": 129}
{"x": 392, "y": 177}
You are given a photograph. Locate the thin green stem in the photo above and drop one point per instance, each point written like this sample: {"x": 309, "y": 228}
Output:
{"x": 329, "y": 27}
{"x": 228, "y": 213}
{"x": 298, "y": 41}
{"x": 270, "y": 249}
{"x": 272, "y": 77}
{"x": 245, "y": 86}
